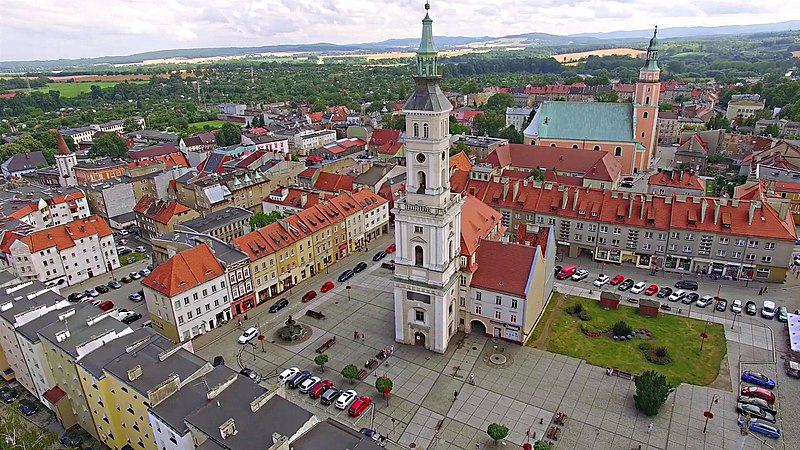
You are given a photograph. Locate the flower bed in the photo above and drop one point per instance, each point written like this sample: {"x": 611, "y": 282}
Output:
{"x": 656, "y": 355}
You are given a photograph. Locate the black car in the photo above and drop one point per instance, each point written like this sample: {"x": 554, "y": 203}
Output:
{"x": 379, "y": 256}
{"x": 76, "y": 297}
{"x": 218, "y": 360}
{"x": 557, "y": 269}
{"x": 750, "y": 308}
{"x": 690, "y": 298}
{"x": 126, "y": 279}
{"x": 388, "y": 265}
{"x": 360, "y": 267}
{"x": 664, "y": 292}
{"x": 626, "y": 184}
{"x": 330, "y": 395}
{"x": 279, "y": 305}
{"x": 130, "y": 318}
{"x": 625, "y": 285}
{"x": 28, "y": 407}
{"x": 250, "y": 373}
{"x": 755, "y": 412}
{"x": 8, "y": 394}
{"x": 346, "y": 275}
{"x": 72, "y": 439}
{"x": 688, "y": 285}
{"x": 722, "y": 305}
{"x": 761, "y": 403}
{"x": 102, "y": 289}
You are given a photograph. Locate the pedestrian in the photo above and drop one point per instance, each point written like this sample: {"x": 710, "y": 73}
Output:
{"x": 472, "y": 378}
{"x": 650, "y": 427}
{"x": 362, "y": 337}
{"x": 245, "y": 316}
{"x": 455, "y": 395}
{"x": 355, "y": 334}
{"x": 765, "y": 289}
{"x": 761, "y": 291}
{"x": 477, "y": 446}
{"x": 239, "y": 323}
{"x": 391, "y": 350}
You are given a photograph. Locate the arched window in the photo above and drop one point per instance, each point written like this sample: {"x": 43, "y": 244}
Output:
{"x": 647, "y": 100}
{"x": 416, "y": 129}
{"x": 421, "y": 182}
{"x": 445, "y": 183}
{"x": 642, "y": 133}
{"x": 644, "y": 116}
{"x": 573, "y": 145}
{"x": 418, "y": 255}
{"x": 450, "y": 246}
{"x": 425, "y": 130}
{"x": 618, "y": 151}
{"x": 551, "y": 145}
{"x": 596, "y": 147}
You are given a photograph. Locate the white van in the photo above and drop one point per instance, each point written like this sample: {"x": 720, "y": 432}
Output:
{"x": 768, "y": 310}
{"x": 677, "y": 295}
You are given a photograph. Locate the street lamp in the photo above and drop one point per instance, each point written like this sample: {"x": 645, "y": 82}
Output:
{"x": 734, "y": 320}
{"x": 704, "y": 336}
{"x": 708, "y": 414}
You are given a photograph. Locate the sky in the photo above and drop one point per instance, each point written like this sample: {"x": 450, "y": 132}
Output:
{"x": 53, "y": 29}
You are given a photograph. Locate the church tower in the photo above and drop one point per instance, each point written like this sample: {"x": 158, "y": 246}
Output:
{"x": 645, "y": 106}
{"x": 428, "y": 217}
{"x": 65, "y": 161}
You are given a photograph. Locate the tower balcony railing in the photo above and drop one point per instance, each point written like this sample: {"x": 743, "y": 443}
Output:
{"x": 403, "y": 205}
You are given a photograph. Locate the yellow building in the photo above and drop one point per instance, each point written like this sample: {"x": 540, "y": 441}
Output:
{"x": 354, "y": 219}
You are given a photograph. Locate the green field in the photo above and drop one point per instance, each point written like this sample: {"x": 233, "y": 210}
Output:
{"x": 202, "y": 126}
{"x": 680, "y": 336}
{"x": 74, "y": 89}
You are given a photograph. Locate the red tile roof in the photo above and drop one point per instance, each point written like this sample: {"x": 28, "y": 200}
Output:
{"x": 749, "y": 191}
{"x": 478, "y": 220}
{"x": 595, "y": 165}
{"x": 62, "y": 145}
{"x": 787, "y": 186}
{"x": 390, "y": 148}
{"x": 159, "y": 210}
{"x": 367, "y": 199}
{"x": 460, "y": 161}
{"x": 64, "y": 236}
{"x": 497, "y": 275}
{"x": 54, "y": 394}
{"x": 678, "y": 179}
{"x": 294, "y": 198}
{"x": 381, "y": 136}
{"x": 316, "y": 117}
{"x": 307, "y": 173}
{"x": 334, "y": 182}
{"x": 184, "y": 271}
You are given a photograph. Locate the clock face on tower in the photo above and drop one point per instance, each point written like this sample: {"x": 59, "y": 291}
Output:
{"x": 420, "y": 158}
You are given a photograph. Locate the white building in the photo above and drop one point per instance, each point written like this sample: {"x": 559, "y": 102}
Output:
{"x": 65, "y": 161}
{"x": 188, "y": 294}
{"x": 375, "y": 213}
{"x": 306, "y": 141}
{"x": 68, "y": 253}
{"x": 428, "y": 217}
{"x": 52, "y": 208}
{"x": 516, "y": 117}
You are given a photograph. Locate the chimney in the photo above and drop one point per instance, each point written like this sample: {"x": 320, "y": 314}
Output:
{"x": 751, "y": 213}
{"x": 575, "y": 200}
{"x": 641, "y": 213}
{"x": 505, "y": 187}
{"x": 516, "y": 191}
{"x": 564, "y": 199}
{"x": 716, "y": 211}
{"x": 703, "y": 207}
{"x": 303, "y": 199}
{"x": 630, "y": 206}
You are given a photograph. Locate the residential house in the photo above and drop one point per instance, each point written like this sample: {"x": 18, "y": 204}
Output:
{"x": 678, "y": 182}
{"x": 516, "y": 117}
{"x": 480, "y": 146}
{"x": 668, "y": 129}
{"x": 151, "y": 136}
{"x": 198, "y": 143}
{"x": 224, "y": 224}
{"x": 111, "y": 198}
{"x": 744, "y": 106}
{"x": 288, "y": 201}
{"x": 42, "y": 208}
{"x": 22, "y": 163}
{"x": 693, "y": 153}
{"x": 273, "y": 144}
{"x": 157, "y": 184}
{"x": 307, "y": 141}
{"x": 168, "y": 154}
{"x": 381, "y": 137}
{"x": 88, "y": 172}
{"x": 155, "y": 216}
{"x": 341, "y": 148}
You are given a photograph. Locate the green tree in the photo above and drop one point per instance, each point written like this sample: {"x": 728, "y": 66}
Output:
{"x": 652, "y": 390}
{"x": 29, "y": 143}
{"x": 350, "y": 372}
{"x": 607, "y": 96}
{"x": 499, "y": 102}
{"x": 457, "y": 128}
{"x": 718, "y": 122}
{"x": 384, "y": 385}
{"x": 109, "y": 145}
{"x": 394, "y": 122}
{"x": 131, "y": 125}
{"x": 459, "y": 147}
{"x": 537, "y": 174}
{"x": 10, "y": 149}
{"x": 229, "y": 134}
{"x": 321, "y": 360}
{"x": 262, "y": 219}
{"x": 511, "y": 133}
{"x": 488, "y": 123}
{"x": 665, "y": 107}
{"x": 541, "y": 445}
{"x": 772, "y": 130}
{"x": 497, "y": 431}
{"x": 16, "y": 433}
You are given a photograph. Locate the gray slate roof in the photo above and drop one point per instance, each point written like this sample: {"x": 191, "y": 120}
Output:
{"x": 79, "y": 329}
{"x": 24, "y": 161}
{"x": 333, "y": 435}
{"x": 427, "y": 96}
{"x": 96, "y": 360}
{"x": 218, "y": 219}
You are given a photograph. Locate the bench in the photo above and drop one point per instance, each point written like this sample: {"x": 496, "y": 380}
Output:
{"x": 380, "y": 356}
{"x": 666, "y": 307}
{"x": 362, "y": 374}
{"x": 315, "y": 314}
{"x": 328, "y": 344}
{"x": 625, "y": 375}
{"x": 371, "y": 364}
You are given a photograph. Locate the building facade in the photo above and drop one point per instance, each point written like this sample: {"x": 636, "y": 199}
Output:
{"x": 87, "y": 172}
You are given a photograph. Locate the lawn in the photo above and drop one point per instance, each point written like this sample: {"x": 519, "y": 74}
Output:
{"x": 74, "y": 89}
{"x": 131, "y": 258}
{"x": 202, "y": 126}
{"x": 680, "y": 336}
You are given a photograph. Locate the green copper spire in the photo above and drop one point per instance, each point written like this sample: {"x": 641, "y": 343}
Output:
{"x": 427, "y": 53}
{"x": 652, "y": 53}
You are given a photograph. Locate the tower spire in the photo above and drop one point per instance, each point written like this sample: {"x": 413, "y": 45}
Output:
{"x": 427, "y": 54}
{"x": 62, "y": 145}
{"x": 652, "y": 53}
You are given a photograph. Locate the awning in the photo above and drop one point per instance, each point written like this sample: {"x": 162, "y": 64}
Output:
{"x": 794, "y": 332}
{"x": 54, "y": 395}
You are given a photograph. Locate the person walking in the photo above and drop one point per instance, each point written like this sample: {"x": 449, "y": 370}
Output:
{"x": 455, "y": 395}
{"x": 472, "y": 378}
{"x": 362, "y": 337}
{"x": 761, "y": 291}
{"x": 650, "y": 427}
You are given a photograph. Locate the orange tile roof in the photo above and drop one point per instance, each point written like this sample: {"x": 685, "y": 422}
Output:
{"x": 787, "y": 186}
{"x": 390, "y": 148}
{"x": 159, "y": 210}
{"x": 334, "y": 182}
{"x": 497, "y": 275}
{"x": 294, "y": 198}
{"x": 677, "y": 179}
{"x": 460, "y": 161}
{"x": 477, "y": 221}
{"x": 307, "y": 173}
{"x": 62, "y": 145}
{"x": 381, "y": 136}
{"x": 749, "y": 191}
{"x": 596, "y": 165}
{"x": 64, "y": 236}
{"x": 184, "y": 271}
{"x": 316, "y": 116}
{"x": 367, "y": 199}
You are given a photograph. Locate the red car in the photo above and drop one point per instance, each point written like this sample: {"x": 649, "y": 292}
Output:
{"x": 757, "y": 392}
{"x": 319, "y": 388}
{"x": 106, "y": 305}
{"x": 391, "y": 248}
{"x": 616, "y": 280}
{"x": 326, "y": 287}
{"x": 651, "y": 290}
{"x": 310, "y": 295}
{"x": 359, "y": 405}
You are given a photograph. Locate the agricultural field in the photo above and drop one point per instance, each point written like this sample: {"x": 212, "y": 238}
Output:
{"x": 574, "y": 57}
{"x": 207, "y": 125}
{"x": 74, "y": 89}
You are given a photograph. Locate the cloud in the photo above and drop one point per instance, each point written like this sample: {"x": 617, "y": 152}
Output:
{"x": 51, "y": 29}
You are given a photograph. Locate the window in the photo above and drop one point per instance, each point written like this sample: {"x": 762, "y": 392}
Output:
{"x": 662, "y": 236}
{"x": 189, "y": 315}
{"x": 648, "y": 235}
{"x": 462, "y": 302}
{"x": 425, "y": 131}
{"x": 750, "y": 257}
{"x": 740, "y": 242}
{"x": 615, "y": 242}
{"x": 596, "y": 148}
{"x": 675, "y": 235}
{"x": 769, "y": 246}
{"x": 687, "y": 249}
{"x": 766, "y": 259}
{"x": 513, "y": 303}
{"x": 617, "y": 230}
{"x": 513, "y": 318}
{"x": 723, "y": 240}
{"x": 672, "y": 247}
{"x": 578, "y": 237}
{"x": 417, "y": 229}
{"x": 579, "y": 225}
{"x": 592, "y": 227}
{"x": 645, "y": 246}
{"x": 477, "y": 310}
{"x": 419, "y": 316}
{"x": 498, "y": 300}
{"x": 574, "y": 145}
{"x": 737, "y": 255}
{"x": 753, "y": 244}
{"x": 618, "y": 151}
{"x": 497, "y": 315}
{"x": 590, "y": 239}
{"x": 418, "y": 256}
{"x": 644, "y": 116}
{"x": 660, "y": 248}
{"x": 689, "y": 236}
{"x": 721, "y": 252}
{"x": 603, "y": 228}
{"x": 601, "y": 241}
{"x": 478, "y": 295}
{"x": 186, "y": 300}
{"x": 416, "y": 129}
{"x": 762, "y": 273}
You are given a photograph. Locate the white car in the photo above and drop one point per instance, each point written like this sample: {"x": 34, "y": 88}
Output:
{"x": 306, "y": 385}
{"x": 248, "y": 335}
{"x": 346, "y": 398}
{"x": 601, "y": 280}
{"x": 768, "y": 311}
{"x": 580, "y": 274}
{"x": 705, "y": 301}
{"x": 677, "y": 295}
{"x": 124, "y": 314}
{"x": 638, "y": 287}
{"x": 736, "y": 307}
{"x": 287, "y": 374}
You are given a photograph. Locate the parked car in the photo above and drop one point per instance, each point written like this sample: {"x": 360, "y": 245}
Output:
{"x": 388, "y": 265}
{"x": 557, "y": 269}
{"x": 755, "y": 412}
{"x": 360, "y": 267}
{"x": 122, "y": 242}
{"x": 144, "y": 272}
{"x": 379, "y": 256}
{"x": 295, "y": 381}
{"x": 140, "y": 248}
{"x": 688, "y": 285}
{"x": 763, "y": 404}
{"x": 135, "y": 275}
{"x": 103, "y": 289}
{"x": 580, "y": 274}
{"x": 130, "y": 318}
{"x": 601, "y": 280}
{"x": 71, "y": 439}
{"x": 8, "y": 395}
{"x": 114, "y": 284}
{"x": 764, "y": 428}
{"x": 326, "y": 286}
{"x": 705, "y": 301}
{"x": 783, "y": 314}
{"x": 665, "y": 292}
{"x": 135, "y": 297}
{"x": 758, "y": 378}
{"x": 308, "y": 296}
{"x": 252, "y": 374}
{"x": 123, "y": 232}
{"x": 750, "y": 308}
{"x": 358, "y": 406}
{"x": 617, "y": 280}
{"x": 792, "y": 368}
{"x": 248, "y": 335}
{"x": 690, "y": 298}
{"x": 566, "y": 272}
{"x": 316, "y": 391}
{"x": 736, "y": 307}
{"x": 106, "y": 305}
{"x": 625, "y": 285}
{"x": 126, "y": 279}
{"x": 346, "y": 275}
{"x": 626, "y": 184}
{"x": 638, "y": 287}
{"x": 651, "y": 290}
{"x": 391, "y": 249}
{"x": 122, "y": 251}
{"x": 677, "y": 295}
{"x": 287, "y": 374}
{"x": 28, "y": 407}
{"x": 757, "y": 392}
{"x": 92, "y": 292}
{"x": 768, "y": 310}
{"x": 722, "y": 305}
{"x": 76, "y": 296}
{"x": 308, "y": 383}
{"x": 379, "y": 439}
{"x": 279, "y": 305}
{"x": 346, "y": 398}
{"x": 329, "y": 396}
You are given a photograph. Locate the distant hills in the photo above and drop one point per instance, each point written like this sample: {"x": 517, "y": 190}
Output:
{"x": 442, "y": 42}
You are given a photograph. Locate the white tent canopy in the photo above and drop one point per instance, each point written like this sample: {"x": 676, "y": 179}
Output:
{"x": 794, "y": 332}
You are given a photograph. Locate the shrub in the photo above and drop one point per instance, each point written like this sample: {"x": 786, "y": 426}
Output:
{"x": 583, "y": 315}
{"x": 592, "y": 330}
{"x": 575, "y": 309}
{"x": 661, "y": 352}
{"x": 658, "y": 355}
{"x": 621, "y": 329}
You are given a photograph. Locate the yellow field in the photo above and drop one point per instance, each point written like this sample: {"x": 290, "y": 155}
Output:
{"x": 572, "y": 57}
{"x": 796, "y": 54}
{"x": 401, "y": 55}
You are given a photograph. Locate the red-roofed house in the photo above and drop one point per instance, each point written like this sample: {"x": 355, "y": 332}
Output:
{"x": 460, "y": 161}
{"x": 155, "y": 216}
{"x": 333, "y": 183}
{"x": 289, "y": 201}
{"x": 381, "y": 137}
{"x": 391, "y": 151}
{"x": 341, "y": 148}
{"x": 187, "y": 295}
{"x": 675, "y": 183}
